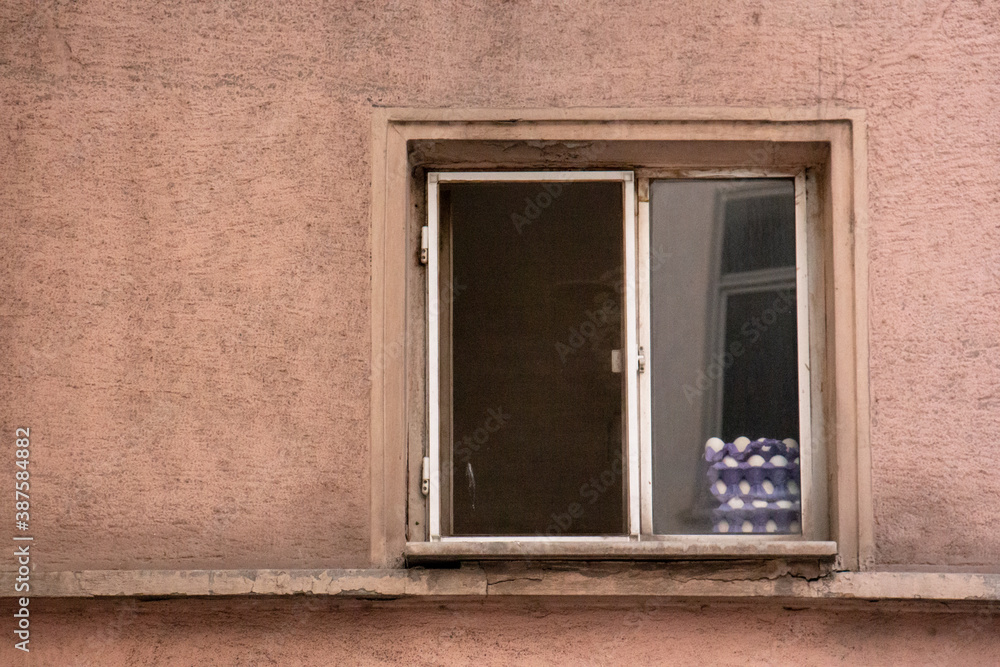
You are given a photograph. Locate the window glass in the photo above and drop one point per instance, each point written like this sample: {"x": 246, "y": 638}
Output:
{"x": 536, "y": 405}
{"x": 724, "y": 357}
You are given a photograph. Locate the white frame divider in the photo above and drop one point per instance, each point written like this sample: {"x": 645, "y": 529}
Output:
{"x": 645, "y": 382}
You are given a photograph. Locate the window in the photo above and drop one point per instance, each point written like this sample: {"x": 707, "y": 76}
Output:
{"x": 627, "y": 340}
{"x": 542, "y": 421}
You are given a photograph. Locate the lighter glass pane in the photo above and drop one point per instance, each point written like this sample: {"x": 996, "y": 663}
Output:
{"x": 724, "y": 356}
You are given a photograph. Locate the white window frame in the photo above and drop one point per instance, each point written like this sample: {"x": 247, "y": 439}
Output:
{"x": 637, "y": 343}
{"x": 627, "y": 179}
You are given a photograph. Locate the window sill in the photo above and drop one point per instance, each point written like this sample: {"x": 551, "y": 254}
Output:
{"x": 615, "y": 549}
{"x": 677, "y": 581}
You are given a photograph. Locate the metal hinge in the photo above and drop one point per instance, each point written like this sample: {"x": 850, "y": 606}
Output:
{"x": 425, "y": 479}
{"x": 642, "y": 360}
{"x": 423, "y": 245}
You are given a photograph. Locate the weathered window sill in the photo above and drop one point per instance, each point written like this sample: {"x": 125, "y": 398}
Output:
{"x": 611, "y": 549}
{"x": 694, "y": 581}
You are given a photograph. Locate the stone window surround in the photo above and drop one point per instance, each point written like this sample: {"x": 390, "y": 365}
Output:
{"x": 661, "y": 143}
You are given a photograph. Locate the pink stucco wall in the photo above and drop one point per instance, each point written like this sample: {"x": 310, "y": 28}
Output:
{"x": 185, "y": 243}
{"x": 312, "y": 632}
{"x": 184, "y": 281}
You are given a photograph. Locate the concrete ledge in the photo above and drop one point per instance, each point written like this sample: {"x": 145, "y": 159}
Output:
{"x": 182, "y": 583}
{"x": 702, "y": 581}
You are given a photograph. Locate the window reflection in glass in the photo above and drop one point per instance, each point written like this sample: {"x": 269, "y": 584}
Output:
{"x": 724, "y": 356}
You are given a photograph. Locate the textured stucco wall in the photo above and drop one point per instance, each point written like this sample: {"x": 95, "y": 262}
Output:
{"x": 313, "y": 633}
{"x": 184, "y": 301}
{"x": 184, "y": 259}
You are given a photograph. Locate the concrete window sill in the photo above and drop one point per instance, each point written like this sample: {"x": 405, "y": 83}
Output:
{"x": 692, "y": 581}
{"x": 608, "y": 549}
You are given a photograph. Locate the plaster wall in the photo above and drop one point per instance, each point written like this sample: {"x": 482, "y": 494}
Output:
{"x": 184, "y": 258}
{"x": 313, "y": 632}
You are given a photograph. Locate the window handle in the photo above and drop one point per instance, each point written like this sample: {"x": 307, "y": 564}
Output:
{"x": 616, "y": 361}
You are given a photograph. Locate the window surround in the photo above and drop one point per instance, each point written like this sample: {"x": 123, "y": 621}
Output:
{"x": 653, "y": 142}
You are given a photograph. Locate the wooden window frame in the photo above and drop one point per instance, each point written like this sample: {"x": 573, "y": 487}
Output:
{"x": 676, "y": 143}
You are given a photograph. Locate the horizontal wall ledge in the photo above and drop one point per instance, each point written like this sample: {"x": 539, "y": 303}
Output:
{"x": 484, "y": 580}
{"x": 590, "y": 550}
{"x": 604, "y": 114}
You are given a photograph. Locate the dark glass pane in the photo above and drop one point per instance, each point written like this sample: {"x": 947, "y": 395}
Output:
{"x": 759, "y": 232}
{"x": 724, "y": 355}
{"x": 760, "y": 396}
{"x": 534, "y": 324}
